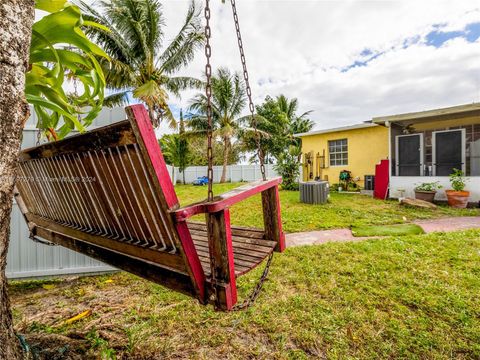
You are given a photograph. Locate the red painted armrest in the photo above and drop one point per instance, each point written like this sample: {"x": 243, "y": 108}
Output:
{"x": 226, "y": 199}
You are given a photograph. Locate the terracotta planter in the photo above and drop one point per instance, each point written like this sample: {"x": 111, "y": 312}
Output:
{"x": 425, "y": 195}
{"x": 457, "y": 199}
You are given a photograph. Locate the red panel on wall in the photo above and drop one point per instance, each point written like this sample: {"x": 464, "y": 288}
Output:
{"x": 381, "y": 179}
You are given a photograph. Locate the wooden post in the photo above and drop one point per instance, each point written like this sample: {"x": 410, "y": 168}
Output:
{"x": 221, "y": 252}
{"x": 272, "y": 218}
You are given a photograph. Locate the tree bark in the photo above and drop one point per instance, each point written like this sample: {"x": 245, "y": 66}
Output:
{"x": 151, "y": 114}
{"x": 16, "y": 19}
{"x": 226, "y": 148}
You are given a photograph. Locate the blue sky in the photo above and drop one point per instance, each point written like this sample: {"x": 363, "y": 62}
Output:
{"x": 438, "y": 37}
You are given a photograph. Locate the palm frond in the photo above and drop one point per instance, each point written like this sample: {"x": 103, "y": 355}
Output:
{"x": 111, "y": 41}
{"x": 179, "y": 83}
{"x": 182, "y": 49}
{"x": 117, "y": 99}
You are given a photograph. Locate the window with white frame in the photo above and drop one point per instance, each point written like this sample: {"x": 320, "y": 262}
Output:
{"x": 338, "y": 152}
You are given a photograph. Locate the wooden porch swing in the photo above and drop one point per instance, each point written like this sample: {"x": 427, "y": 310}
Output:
{"x": 107, "y": 193}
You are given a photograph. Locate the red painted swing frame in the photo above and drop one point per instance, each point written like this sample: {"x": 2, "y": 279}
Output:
{"x": 181, "y": 270}
{"x": 218, "y": 209}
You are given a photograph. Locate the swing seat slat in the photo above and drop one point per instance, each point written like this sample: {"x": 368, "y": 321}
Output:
{"x": 107, "y": 193}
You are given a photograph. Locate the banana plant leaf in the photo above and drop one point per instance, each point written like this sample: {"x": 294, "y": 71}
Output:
{"x": 60, "y": 51}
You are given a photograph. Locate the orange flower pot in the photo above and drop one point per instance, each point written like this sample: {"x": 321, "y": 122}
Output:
{"x": 457, "y": 199}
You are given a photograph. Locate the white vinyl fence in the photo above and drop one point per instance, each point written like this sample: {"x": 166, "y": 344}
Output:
{"x": 235, "y": 173}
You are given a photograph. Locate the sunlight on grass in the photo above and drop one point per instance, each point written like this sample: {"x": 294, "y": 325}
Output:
{"x": 386, "y": 230}
{"x": 343, "y": 210}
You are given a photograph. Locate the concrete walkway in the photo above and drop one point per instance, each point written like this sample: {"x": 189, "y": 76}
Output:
{"x": 338, "y": 235}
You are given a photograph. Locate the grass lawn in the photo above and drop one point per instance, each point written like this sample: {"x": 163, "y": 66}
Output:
{"x": 387, "y": 230}
{"x": 344, "y": 210}
{"x": 411, "y": 297}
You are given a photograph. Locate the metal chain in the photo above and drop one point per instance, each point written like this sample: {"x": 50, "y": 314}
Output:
{"x": 208, "y": 93}
{"x": 256, "y": 290}
{"x": 248, "y": 89}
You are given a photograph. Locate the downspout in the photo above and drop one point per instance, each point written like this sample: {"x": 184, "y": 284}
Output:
{"x": 389, "y": 127}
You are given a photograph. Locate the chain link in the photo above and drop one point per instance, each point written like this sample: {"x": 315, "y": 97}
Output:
{"x": 208, "y": 93}
{"x": 256, "y": 290}
{"x": 248, "y": 89}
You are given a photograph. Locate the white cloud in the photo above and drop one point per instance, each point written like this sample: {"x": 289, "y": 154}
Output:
{"x": 299, "y": 48}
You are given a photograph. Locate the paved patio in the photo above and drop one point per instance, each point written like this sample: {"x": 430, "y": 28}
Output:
{"x": 338, "y": 235}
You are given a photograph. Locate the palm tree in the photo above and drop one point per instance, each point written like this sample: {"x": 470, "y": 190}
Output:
{"x": 140, "y": 63}
{"x": 175, "y": 148}
{"x": 277, "y": 122}
{"x": 228, "y": 101}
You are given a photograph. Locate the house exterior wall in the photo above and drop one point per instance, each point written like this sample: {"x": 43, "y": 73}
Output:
{"x": 403, "y": 186}
{"x": 366, "y": 147}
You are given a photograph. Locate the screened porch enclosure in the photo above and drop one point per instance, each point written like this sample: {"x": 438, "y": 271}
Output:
{"x": 436, "y": 151}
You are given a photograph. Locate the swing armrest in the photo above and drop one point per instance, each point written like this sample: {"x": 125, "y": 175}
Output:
{"x": 227, "y": 199}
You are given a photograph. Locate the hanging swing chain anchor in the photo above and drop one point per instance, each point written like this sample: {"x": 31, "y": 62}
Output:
{"x": 248, "y": 89}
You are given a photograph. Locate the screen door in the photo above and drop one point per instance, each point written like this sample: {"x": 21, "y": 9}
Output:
{"x": 409, "y": 155}
{"x": 448, "y": 151}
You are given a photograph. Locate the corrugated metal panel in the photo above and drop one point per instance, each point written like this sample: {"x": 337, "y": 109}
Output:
{"x": 29, "y": 259}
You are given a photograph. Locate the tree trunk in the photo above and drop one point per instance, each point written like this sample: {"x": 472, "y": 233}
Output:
{"x": 16, "y": 19}
{"x": 151, "y": 114}
{"x": 183, "y": 176}
{"x": 226, "y": 148}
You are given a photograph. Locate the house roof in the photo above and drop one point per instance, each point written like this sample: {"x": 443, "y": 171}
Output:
{"x": 437, "y": 114}
{"x": 337, "y": 129}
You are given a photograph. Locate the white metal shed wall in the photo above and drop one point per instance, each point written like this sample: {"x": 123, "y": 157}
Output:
{"x": 28, "y": 259}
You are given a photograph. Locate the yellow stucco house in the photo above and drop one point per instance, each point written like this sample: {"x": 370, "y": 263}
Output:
{"x": 357, "y": 148}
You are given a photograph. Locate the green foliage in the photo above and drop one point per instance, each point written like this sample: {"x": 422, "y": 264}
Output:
{"x": 272, "y": 125}
{"x": 428, "y": 186}
{"x": 60, "y": 50}
{"x": 457, "y": 180}
{"x": 171, "y": 145}
{"x": 198, "y": 152}
{"x": 140, "y": 61}
{"x": 277, "y": 121}
{"x": 287, "y": 167}
{"x": 228, "y": 100}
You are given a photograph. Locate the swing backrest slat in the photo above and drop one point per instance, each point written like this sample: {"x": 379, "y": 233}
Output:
{"x": 111, "y": 188}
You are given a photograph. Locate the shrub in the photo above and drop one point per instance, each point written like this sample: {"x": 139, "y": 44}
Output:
{"x": 288, "y": 166}
{"x": 431, "y": 186}
{"x": 457, "y": 180}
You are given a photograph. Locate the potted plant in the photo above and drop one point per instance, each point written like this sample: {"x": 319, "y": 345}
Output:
{"x": 458, "y": 197}
{"x": 427, "y": 191}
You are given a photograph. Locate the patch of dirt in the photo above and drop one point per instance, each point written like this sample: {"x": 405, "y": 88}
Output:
{"x": 56, "y": 347}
